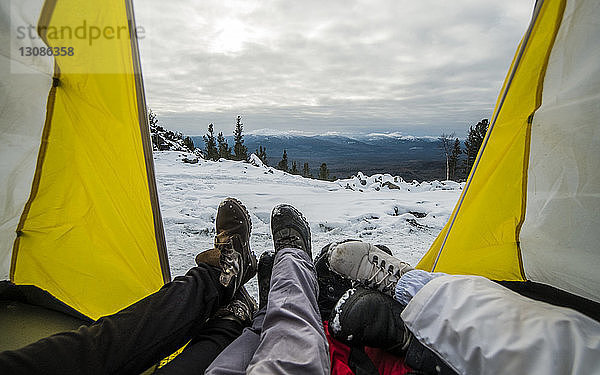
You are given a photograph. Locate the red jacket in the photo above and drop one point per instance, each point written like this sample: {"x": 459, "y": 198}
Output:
{"x": 344, "y": 359}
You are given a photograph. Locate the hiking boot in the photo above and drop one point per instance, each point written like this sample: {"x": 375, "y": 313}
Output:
{"x": 370, "y": 318}
{"x": 265, "y": 268}
{"x": 331, "y": 285}
{"x": 290, "y": 229}
{"x": 367, "y": 264}
{"x": 237, "y": 261}
{"x": 241, "y": 308}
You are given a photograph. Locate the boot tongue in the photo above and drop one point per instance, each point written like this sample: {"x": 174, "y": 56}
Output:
{"x": 230, "y": 226}
{"x": 210, "y": 257}
{"x": 227, "y": 237}
{"x": 222, "y": 238}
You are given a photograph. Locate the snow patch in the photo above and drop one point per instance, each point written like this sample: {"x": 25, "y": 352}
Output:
{"x": 407, "y": 221}
{"x": 336, "y": 325}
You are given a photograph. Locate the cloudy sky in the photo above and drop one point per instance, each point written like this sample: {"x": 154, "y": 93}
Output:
{"x": 420, "y": 67}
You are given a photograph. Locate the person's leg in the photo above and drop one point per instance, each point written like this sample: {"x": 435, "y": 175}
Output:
{"x": 235, "y": 358}
{"x": 367, "y": 317}
{"x": 293, "y": 340}
{"x": 411, "y": 282}
{"x": 214, "y": 336}
{"x": 131, "y": 340}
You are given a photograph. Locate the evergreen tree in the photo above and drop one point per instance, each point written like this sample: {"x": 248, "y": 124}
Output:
{"x": 262, "y": 154}
{"x": 473, "y": 143}
{"x": 240, "y": 151}
{"x": 294, "y": 169}
{"x": 224, "y": 149}
{"x": 157, "y": 141}
{"x": 453, "y": 160}
{"x": 210, "y": 145}
{"x": 283, "y": 164}
{"x": 306, "y": 171}
{"x": 189, "y": 143}
{"x": 152, "y": 119}
{"x": 323, "y": 172}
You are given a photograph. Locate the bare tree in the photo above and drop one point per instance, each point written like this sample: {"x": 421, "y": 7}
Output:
{"x": 446, "y": 145}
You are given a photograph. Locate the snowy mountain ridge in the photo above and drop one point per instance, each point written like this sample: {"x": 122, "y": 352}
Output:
{"x": 414, "y": 158}
{"x": 268, "y": 132}
{"x": 398, "y": 135}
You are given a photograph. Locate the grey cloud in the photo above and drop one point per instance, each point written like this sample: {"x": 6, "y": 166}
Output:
{"x": 422, "y": 66}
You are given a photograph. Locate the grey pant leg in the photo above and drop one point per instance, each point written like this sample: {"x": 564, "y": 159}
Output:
{"x": 293, "y": 340}
{"x": 234, "y": 359}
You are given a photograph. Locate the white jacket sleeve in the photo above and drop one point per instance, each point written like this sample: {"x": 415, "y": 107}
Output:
{"x": 479, "y": 327}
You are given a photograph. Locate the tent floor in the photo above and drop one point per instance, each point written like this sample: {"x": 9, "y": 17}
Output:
{"x": 21, "y": 324}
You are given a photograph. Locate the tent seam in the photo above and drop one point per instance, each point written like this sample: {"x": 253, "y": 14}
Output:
{"x": 538, "y": 103}
{"x": 43, "y": 20}
{"x": 147, "y": 147}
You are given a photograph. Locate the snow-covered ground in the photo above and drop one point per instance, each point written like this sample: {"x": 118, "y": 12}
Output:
{"x": 379, "y": 209}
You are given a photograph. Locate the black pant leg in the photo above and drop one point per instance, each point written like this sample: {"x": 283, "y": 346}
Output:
{"x": 206, "y": 345}
{"x": 129, "y": 341}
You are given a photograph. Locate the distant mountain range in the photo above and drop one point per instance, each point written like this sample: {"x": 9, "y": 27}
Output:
{"x": 418, "y": 158}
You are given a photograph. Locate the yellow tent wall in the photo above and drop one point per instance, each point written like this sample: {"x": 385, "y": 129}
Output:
{"x": 481, "y": 235}
{"x": 91, "y": 232}
{"x": 530, "y": 209}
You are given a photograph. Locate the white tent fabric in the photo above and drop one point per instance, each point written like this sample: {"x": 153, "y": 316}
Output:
{"x": 24, "y": 86}
{"x": 560, "y": 237}
{"x": 480, "y": 327}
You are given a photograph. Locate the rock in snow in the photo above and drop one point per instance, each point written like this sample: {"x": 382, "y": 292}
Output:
{"x": 255, "y": 160}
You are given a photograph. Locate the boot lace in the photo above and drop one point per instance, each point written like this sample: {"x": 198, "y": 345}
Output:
{"x": 382, "y": 278}
{"x": 289, "y": 241}
{"x": 230, "y": 262}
